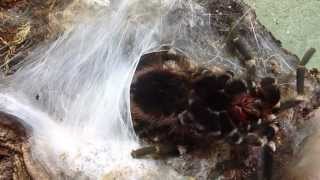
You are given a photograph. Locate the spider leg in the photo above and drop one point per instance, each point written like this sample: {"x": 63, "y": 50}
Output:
{"x": 271, "y": 131}
{"x": 263, "y": 135}
{"x": 251, "y": 73}
{"x": 235, "y": 87}
{"x": 228, "y": 129}
{"x": 290, "y": 103}
{"x": 227, "y": 126}
{"x": 204, "y": 119}
{"x": 214, "y": 124}
{"x": 235, "y": 138}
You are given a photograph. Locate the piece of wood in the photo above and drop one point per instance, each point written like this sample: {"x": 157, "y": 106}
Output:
{"x": 16, "y": 161}
{"x": 157, "y": 151}
{"x": 142, "y": 152}
{"x": 301, "y": 71}
{"x": 307, "y": 56}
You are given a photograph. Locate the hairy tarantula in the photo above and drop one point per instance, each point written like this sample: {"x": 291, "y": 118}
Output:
{"x": 177, "y": 102}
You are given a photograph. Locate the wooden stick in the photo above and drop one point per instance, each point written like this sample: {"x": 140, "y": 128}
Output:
{"x": 140, "y": 153}
{"x": 307, "y": 56}
{"x": 157, "y": 150}
{"x": 267, "y": 161}
{"x": 301, "y": 70}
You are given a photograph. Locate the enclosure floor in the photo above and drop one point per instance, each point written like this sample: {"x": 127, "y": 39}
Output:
{"x": 294, "y": 22}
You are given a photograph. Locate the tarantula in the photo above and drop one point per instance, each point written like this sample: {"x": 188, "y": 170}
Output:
{"x": 177, "y": 102}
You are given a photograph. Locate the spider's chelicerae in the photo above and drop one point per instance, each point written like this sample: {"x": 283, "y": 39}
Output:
{"x": 177, "y": 102}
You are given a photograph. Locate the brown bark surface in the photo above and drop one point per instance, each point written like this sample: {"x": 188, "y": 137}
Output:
{"x": 12, "y": 138}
